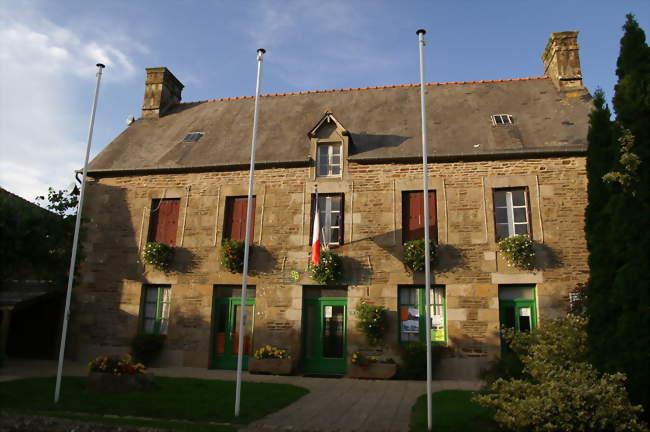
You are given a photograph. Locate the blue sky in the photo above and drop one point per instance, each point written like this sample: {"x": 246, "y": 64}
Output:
{"x": 48, "y": 50}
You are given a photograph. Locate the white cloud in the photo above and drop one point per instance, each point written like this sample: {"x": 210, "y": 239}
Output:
{"x": 46, "y": 76}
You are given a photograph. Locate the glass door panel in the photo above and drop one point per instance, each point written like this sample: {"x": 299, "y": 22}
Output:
{"x": 324, "y": 335}
{"x": 333, "y": 338}
{"x": 225, "y": 345}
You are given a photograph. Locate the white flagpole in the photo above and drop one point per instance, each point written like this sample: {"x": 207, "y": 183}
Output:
{"x": 251, "y": 178}
{"x": 427, "y": 246}
{"x": 75, "y": 240}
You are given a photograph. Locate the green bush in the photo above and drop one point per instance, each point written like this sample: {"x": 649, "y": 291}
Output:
{"x": 372, "y": 321}
{"x": 232, "y": 255}
{"x": 328, "y": 270}
{"x": 414, "y": 360}
{"x": 158, "y": 255}
{"x": 559, "y": 389}
{"x": 508, "y": 366}
{"x": 146, "y": 347}
{"x": 518, "y": 251}
{"x": 414, "y": 254}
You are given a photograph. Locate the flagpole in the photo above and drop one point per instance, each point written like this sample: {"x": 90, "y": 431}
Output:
{"x": 427, "y": 246}
{"x": 75, "y": 240}
{"x": 251, "y": 178}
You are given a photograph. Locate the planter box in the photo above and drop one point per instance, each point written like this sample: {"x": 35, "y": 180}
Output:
{"x": 109, "y": 383}
{"x": 270, "y": 366}
{"x": 373, "y": 371}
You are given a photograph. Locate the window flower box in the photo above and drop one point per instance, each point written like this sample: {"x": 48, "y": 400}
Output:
{"x": 373, "y": 371}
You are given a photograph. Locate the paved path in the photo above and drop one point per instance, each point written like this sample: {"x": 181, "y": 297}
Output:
{"x": 332, "y": 404}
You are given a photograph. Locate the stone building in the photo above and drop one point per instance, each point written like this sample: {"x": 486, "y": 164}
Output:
{"x": 506, "y": 157}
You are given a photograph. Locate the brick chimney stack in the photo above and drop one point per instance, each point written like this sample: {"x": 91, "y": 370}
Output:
{"x": 162, "y": 90}
{"x": 561, "y": 59}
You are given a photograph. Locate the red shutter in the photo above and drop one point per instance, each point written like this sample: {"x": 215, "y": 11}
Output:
{"x": 163, "y": 224}
{"x": 235, "y": 223}
{"x": 413, "y": 216}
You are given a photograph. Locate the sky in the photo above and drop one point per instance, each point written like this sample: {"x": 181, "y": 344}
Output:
{"x": 48, "y": 52}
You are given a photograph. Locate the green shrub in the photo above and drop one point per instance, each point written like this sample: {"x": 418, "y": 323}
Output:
{"x": 232, "y": 255}
{"x": 518, "y": 251}
{"x": 328, "y": 270}
{"x": 158, "y": 255}
{"x": 372, "y": 321}
{"x": 508, "y": 366}
{"x": 414, "y": 254}
{"x": 559, "y": 389}
{"x": 414, "y": 360}
{"x": 146, "y": 347}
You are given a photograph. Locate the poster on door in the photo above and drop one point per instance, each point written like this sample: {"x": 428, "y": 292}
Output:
{"x": 410, "y": 320}
{"x": 437, "y": 328}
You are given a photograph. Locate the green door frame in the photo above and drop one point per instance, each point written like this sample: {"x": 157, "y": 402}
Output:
{"x": 516, "y": 305}
{"x": 228, "y": 360}
{"x": 318, "y": 363}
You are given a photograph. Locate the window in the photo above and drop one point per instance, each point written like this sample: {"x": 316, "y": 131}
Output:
{"x": 413, "y": 216}
{"x": 412, "y": 314}
{"x": 330, "y": 215}
{"x": 163, "y": 223}
{"x": 511, "y": 212}
{"x": 501, "y": 119}
{"x": 328, "y": 160}
{"x": 155, "y": 309}
{"x": 192, "y": 137}
{"x": 234, "y": 226}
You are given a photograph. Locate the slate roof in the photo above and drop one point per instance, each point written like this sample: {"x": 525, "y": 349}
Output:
{"x": 384, "y": 124}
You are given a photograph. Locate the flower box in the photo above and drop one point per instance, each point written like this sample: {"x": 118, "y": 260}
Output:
{"x": 270, "y": 366}
{"x": 108, "y": 383}
{"x": 373, "y": 371}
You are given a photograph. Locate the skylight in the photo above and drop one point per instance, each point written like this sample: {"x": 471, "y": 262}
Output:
{"x": 192, "y": 137}
{"x": 501, "y": 119}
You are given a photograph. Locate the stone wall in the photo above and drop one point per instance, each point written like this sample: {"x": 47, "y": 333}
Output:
{"x": 107, "y": 300}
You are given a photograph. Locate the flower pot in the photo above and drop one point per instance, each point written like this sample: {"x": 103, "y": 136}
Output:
{"x": 109, "y": 383}
{"x": 373, "y": 371}
{"x": 270, "y": 366}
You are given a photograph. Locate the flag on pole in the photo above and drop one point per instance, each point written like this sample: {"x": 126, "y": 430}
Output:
{"x": 315, "y": 241}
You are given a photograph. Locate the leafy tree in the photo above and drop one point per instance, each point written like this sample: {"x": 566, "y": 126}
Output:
{"x": 36, "y": 242}
{"x": 560, "y": 390}
{"x": 617, "y": 224}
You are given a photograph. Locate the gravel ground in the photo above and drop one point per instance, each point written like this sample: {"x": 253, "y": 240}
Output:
{"x": 11, "y": 422}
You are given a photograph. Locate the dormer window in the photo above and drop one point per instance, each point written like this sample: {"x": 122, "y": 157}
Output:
{"x": 328, "y": 160}
{"x": 501, "y": 119}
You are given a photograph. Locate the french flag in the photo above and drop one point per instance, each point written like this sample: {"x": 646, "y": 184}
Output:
{"x": 315, "y": 241}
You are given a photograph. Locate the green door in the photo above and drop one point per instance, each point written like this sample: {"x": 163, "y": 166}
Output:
{"x": 518, "y": 314}
{"x": 225, "y": 343}
{"x": 324, "y": 335}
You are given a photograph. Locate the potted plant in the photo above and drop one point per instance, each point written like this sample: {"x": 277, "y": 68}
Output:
{"x": 372, "y": 321}
{"x": 271, "y": 360}
{"x": 232, "y": 255}
{"x": 158, "y": 255}
{"x": 371, "y": 367}
{"x": 328, "y": 269}
{"x": 115, "y": 375}
{"x": 414, "y": 254}
{"x": 518, "y": 251}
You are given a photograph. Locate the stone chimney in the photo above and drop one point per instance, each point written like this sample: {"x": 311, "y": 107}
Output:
{"x": 562, "y": 60}
{"x": 162, "y": 90}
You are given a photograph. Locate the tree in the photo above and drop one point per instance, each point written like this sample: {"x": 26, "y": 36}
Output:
{"x": 559, "y": 389}
{"x": 617, "y": 224}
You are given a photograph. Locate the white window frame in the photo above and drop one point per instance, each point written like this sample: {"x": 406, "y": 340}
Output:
{"x": 325, "y": 216}
{"x": 506, "y": 119}
{"x": 159, "y": 296}
{"x": 331, "y": 146}
{"x": 510, "y": 211}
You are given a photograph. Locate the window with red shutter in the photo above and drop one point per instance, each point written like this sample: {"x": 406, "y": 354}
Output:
{"x": 163, "y": 223}
{"x": 413, "y": 216}
{"x": 234, "y": 226}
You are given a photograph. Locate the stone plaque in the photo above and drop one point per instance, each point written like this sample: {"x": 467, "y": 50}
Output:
{"x": 473, "y": 302}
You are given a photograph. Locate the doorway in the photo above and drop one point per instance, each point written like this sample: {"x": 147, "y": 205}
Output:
{"x": 324, "y": 333}
{"x": 226, "y": 312}
{"x": 517, "y": 308}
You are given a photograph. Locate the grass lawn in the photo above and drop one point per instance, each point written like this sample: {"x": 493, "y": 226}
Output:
{"x": 453, "y": 410}
{"x": 196, "y": 400}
